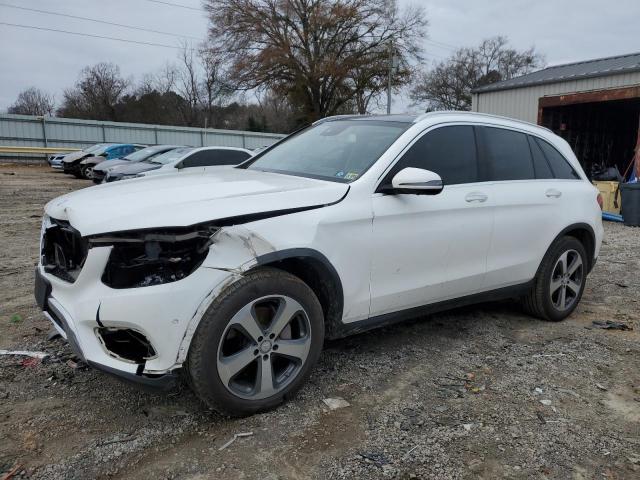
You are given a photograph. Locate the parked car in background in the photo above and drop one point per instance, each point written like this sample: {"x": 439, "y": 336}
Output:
{"x": 111, "y": 153}
{"x": 100, "y": 170}
{"x": 55, "y": 160}
{"x": 238, "y": 275}
{"x": 72, "y": 160}
{"x": 181, "y": 158}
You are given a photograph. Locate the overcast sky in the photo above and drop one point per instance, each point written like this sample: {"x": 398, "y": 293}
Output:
{"x": 563, "y": 31}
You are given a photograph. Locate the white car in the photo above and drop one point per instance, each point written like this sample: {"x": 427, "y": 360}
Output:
{"x": 182, "y": 159}
{"x": 237, "y": 276}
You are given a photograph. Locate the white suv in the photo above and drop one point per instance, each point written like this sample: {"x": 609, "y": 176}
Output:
{"x": 238, "y": 275}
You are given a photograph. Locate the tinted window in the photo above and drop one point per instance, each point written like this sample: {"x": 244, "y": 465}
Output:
{"x": 560, "y": 166}
{"x": 207, "y": 158}
{"x": 507, "y": 154}
{"x": 540, "y": 164}
{"x": 448, "y": 151}
{"x": 236, "y": 156}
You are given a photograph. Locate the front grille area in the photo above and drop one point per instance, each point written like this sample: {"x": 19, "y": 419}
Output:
{"x": 63, "y": 250}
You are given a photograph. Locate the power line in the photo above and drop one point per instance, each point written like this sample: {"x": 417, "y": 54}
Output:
{"x": 91, "y": 35}
{"x": 175, "y": 5}
{"x": 97, "y": 21}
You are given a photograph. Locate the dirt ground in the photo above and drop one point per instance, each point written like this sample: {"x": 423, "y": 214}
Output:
{"x": 481, "y": 392}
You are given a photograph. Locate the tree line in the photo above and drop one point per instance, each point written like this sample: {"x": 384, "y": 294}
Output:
{"x": 274, "y": 65}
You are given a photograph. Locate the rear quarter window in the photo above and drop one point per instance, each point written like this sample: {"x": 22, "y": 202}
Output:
{"x": 561, "y": 167}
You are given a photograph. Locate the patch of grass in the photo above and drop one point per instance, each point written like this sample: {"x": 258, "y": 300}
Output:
{"x": 15, "y": 319}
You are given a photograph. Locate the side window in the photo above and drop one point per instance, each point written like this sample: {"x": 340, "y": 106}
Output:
{"x": 234, "y": 157}
{"x": 560, "y": 166}
{"x": 540, "y": 164}
{"x": 198, "y": 159}
{"x": 208, "y": 158}
{"x": 507, "y": 154}
{"x": 448, "y": 151}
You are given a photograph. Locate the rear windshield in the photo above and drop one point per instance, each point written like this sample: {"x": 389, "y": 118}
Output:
{"x": 143, "y": 154}
{"x": 339, "y": 150}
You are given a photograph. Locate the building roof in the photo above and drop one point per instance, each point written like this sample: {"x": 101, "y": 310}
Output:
{"x": 570, "y": 71}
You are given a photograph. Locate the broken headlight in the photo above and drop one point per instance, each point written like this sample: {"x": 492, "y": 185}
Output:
{"x": 153, "y": 257}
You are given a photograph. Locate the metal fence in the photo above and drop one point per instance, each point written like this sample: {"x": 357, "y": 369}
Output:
{"x": 53, "y": 132}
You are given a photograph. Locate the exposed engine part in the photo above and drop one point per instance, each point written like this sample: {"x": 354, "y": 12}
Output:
{"x": 63, "y": 250}
{"x": 145, "y": 258}
{"x": 126, "y": 344}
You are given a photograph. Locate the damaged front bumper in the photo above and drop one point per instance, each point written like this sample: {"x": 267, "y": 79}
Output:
{"x": 161, "y": 318}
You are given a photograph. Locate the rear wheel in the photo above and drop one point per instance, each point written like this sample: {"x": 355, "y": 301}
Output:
{"x": 256, "y": 344}
{"x": 560, "y": 282}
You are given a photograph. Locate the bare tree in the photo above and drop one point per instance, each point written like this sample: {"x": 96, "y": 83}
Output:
{"x": 312, "y": 50}
{"x": 448, "y": 85}
{"x": 214, "y": 86}
{"x": 33, "y": 101}
{"x": 96, "y": 94}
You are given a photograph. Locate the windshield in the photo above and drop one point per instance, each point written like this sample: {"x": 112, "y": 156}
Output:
{"x": 170, "y": 156}
{"x": 340, "y": 150}
{"x": 96, "y": 148}
{"x": 142, "y": 154}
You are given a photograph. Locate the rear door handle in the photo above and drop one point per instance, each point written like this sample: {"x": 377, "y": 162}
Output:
{"x": 553, "y": 193}
{"x": 477, "y": 197}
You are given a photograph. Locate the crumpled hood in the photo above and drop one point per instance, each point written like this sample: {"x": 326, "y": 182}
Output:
{"x": 73, "y": 156}
{"x": 187, "y": 198}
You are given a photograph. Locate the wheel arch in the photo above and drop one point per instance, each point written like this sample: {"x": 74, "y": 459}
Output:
{"x": 585, "y": 234}
{"x": 313, "y": 268}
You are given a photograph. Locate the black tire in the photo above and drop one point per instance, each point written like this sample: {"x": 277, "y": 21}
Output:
{"x": 86, "y": 172}
{"x": 539, "y": 301}
{"x": 201, "y": 362}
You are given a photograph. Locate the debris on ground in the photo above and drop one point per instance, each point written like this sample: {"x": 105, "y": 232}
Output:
{"x": 25, "y": 353}
{"x": 11, "y": 473}
{"x": 336, "y": 403}
{"x": 601, "y": 387}
{"x": 378, "y": 459}
{"x": 235, "y": 437}
{"x": 546, "y": 402}
{"x": 610, "y": 325}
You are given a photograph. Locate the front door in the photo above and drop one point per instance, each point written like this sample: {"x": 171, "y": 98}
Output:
{"x": 428, "y": 248}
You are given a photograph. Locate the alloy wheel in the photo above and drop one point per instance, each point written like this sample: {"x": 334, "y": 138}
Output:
{"x": 264, "y": 347}
{"x": 566, "y": 280}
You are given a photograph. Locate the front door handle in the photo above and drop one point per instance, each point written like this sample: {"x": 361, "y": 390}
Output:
{"x": 553, "y": 193}
{"x": 477, "y": 197}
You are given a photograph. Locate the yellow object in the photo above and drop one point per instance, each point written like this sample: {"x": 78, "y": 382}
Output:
{"x": 5, "y": 149}
{"x": 609, "y": 191}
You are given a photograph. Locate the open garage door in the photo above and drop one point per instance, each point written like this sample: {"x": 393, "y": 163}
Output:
{"x": 601, "y": 126}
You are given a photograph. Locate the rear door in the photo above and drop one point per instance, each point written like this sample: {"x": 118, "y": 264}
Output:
{"x": 428, "y": 248}
{"x": 525, "y": 195}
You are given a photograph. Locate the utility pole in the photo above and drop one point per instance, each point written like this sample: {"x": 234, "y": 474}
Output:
{"x": 393, "y": 65}
{"x": 389, "y": 79}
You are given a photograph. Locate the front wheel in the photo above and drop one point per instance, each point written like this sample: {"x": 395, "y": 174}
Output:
{"x": 257, "y": 343}
{"x": 87, "y": 172}
{"x": 560, "y": 281}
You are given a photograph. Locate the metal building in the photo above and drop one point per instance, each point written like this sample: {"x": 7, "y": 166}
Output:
{"x": 594, "y": 105}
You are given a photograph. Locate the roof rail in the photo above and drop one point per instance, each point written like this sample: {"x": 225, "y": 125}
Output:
{"x": 476, "y": 114}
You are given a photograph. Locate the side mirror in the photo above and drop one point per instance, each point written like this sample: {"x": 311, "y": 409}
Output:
{"x": 180, "y": 165}
{"x": 416, "y": 181}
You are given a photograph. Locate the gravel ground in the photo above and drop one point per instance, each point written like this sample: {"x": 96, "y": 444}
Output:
{"x": 480, "y": 392}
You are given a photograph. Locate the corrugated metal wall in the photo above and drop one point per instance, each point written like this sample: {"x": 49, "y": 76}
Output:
{"x": 522, "y": 103}
{"x": 24, "y": 130}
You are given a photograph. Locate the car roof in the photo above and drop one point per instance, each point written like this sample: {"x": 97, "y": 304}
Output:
{"x": 220, "y": 147}
{"x": 439, "y": 117}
